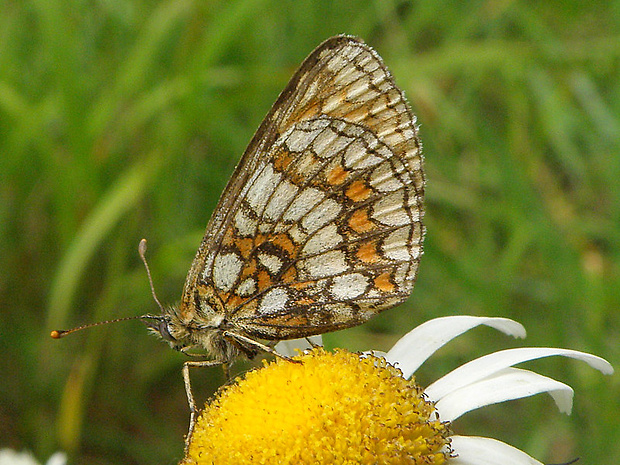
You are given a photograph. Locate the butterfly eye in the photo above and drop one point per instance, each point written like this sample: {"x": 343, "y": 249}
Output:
{"x": 165, "y": 332}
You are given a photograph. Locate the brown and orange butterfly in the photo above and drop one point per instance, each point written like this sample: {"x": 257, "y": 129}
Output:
{"x": 320, "y": 226}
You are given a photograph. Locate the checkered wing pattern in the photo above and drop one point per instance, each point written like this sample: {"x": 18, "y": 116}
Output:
{"x": 320, "y": 227}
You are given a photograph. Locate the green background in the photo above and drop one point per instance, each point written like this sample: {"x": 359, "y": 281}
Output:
{"x": 123, "y": 119}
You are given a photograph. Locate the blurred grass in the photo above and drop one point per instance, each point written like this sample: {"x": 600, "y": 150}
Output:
{"x": 123, "y": 120}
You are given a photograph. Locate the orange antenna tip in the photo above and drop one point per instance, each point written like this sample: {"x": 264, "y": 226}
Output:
{"x": 56, "y": 334}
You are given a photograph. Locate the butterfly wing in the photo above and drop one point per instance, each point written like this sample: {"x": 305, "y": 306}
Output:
{"x": 320, "y": 226}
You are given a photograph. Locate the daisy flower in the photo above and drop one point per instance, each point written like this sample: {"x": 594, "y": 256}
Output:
{"x": 340, "y": 407}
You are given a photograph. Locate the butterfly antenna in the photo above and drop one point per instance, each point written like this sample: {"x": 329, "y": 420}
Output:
{"x": 58, "y": 333}
{"x": 142, "y": 252}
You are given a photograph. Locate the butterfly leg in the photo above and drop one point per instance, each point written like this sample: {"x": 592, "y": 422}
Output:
{"x": 258, "y": 345}
{"x": 226, "y": 369}
{"x": 190, "y": 396}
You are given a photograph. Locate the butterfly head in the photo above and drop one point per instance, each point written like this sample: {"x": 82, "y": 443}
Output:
{"x": 168, "y": 329}
{"x": 183, "y": 334}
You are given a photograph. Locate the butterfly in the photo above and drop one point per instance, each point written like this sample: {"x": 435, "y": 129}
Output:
{"x": 320, "y": 226}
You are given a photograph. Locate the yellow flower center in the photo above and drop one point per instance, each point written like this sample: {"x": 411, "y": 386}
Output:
{"x": 331, "y": 408}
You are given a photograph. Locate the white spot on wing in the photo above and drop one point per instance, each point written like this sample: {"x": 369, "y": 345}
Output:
{"x": 332, "y": 103}
{"x": 357, "y": 157}
{"x": 271, "y": 262}
{"x": 327, "y": 264}
{"x": 323, "y": 140}
{"x": 349, "y": 286}
{"x": 281, "y": 198}
{"x": 303, "y": 203}
{"x": 323, "y": 214}
{"x": 357, "y": 88}
{"x": 329, "y": 143}
{"x": 262, "y": 187}
{"x": 383, "y": 178}
{"x": 247, "y": 287}
{"x": 301, "y": 135}
{"x": 296, "y": 234}
{"x": 226, "y": 269}
{"x": 336, "y": 63}
{"x": 245, "y": 225}
{"x": 273, "y": 301}
{"x": 390, "y": 210}
{"x": 396, "y": 245}
{"x": 324, "y": 239}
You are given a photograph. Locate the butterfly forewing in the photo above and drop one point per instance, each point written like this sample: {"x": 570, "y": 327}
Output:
{"x": 320, "y": 227}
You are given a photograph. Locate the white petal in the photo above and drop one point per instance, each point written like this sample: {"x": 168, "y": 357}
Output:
{"x": 11, "y": 457}
{"x": 508, "y": 384}
{"x": 473, "y": 450}
{"x": 486, "y": 366}
{"x": 417, "y": 345}
{"x": 287, "y": 348}
{"x": 58, "y": 458}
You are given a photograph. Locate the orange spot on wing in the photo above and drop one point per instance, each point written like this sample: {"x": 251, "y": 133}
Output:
{"x": 187, "y": 311}
{"x": 300, "y": 174}
{"x": 309, "y": 112}
{"x": 302, "y": 285}
{"x": 264, "y": 280}
{"x": 245, "y": 246}
{"x": 360, "y": 223}
{"x": 285, "y": 243}
{"x": 234, "y": 301}
{"x": 206, "y": 292}
{"x": 282, "y": 160}
{"x": 305, "y": 301}
{"x": 291, "y": 321}
{"x": 249, "y": 269}
{"x": 384, "y": 283}
{"x": 249, "y": 306}
{"x": 290, "y": 275}
{"x": 259, "y": 239}
{"x": 360, "y": 113}
{"x": 229, "y": 237}
{"x": 337, "y": 175}
{"x": 358, "y": 191}
{"x": 368, "y": 252}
